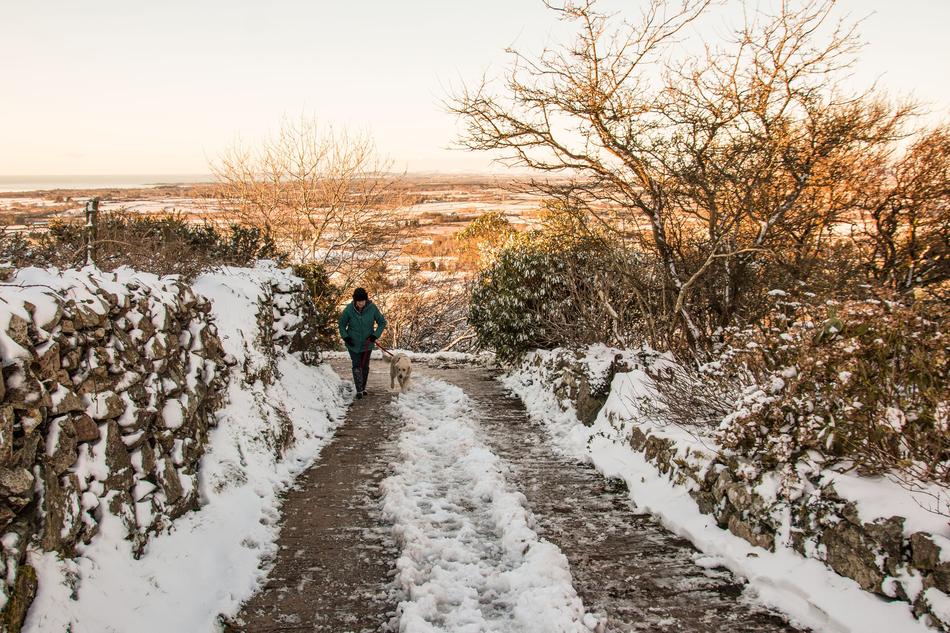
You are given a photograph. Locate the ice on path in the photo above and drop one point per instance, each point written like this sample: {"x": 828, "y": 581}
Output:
{"x": 470, "y": 560}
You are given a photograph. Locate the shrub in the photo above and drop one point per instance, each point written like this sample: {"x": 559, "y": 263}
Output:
{"x": 163, "y": 245}
{"x": 542, "y": 292}
{"x": 516, "y": 299}
{"x": 862, "y": 380}
{"x": 426, "y": 313}
{"x": 321, "y": 332}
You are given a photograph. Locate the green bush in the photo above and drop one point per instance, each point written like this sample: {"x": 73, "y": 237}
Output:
{"x": 321, "y": 333}
{"x": 545, "y": 293}
{"x": 163, "y": 245}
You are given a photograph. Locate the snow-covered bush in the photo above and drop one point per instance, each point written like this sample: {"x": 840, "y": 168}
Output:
{"x": 863, "y": 380}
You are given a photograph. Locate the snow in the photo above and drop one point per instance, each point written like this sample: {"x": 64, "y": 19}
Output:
{"x": 806, "y": 590}
{"x": 470, "y": 559}
{"x": 939, "y": 602}
{"x": 884, "y": 497}
{"x": 210, "y": 560}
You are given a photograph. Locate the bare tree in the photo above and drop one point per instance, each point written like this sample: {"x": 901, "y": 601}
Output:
{"x": 714, "y": 164}
{"x": 905, "y": 206}
{"x": 324, "y": 196}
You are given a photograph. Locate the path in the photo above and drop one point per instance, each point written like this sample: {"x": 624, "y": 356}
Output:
{"x": 337, "y": 559}
{"x": 334, "y": 566}
{"x": 625, "y": 565}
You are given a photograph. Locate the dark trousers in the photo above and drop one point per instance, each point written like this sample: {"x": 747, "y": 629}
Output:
{"x": 360, "y": 369}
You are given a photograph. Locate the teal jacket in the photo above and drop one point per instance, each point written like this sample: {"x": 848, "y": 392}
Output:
{"x": 359, "y": 325}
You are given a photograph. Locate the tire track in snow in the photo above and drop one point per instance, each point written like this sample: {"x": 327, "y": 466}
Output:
{"x": 470, "y": 560}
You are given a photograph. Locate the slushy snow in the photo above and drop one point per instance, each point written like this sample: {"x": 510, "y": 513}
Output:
{"x": 470, "y": 560}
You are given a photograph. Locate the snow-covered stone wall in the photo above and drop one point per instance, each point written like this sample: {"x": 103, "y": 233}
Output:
{"x": 277, "y": 412}
{"x": 876, "y": 531}
{"x": 110, "y": 381}
{"x": 111, "y": 385}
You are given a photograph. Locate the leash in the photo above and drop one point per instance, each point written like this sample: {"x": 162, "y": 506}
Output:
{"x": 383, "y": 349}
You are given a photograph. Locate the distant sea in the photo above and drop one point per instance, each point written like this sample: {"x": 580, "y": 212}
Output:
{"x": 105, "y": 181}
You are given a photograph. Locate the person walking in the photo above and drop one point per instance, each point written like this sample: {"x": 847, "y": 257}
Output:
{"x": 361, "y": 323}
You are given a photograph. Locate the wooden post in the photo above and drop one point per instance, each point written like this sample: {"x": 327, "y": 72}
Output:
{"x": 92, "y": 230}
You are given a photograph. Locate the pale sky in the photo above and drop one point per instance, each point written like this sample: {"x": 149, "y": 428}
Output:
{"x": 161, "y": 87}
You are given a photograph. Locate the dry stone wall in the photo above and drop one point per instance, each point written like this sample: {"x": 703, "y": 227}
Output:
{"x": 110, "y": 383}
{"x": 879, "y": 555}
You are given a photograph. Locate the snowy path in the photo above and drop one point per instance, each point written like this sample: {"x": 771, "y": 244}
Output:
{"x": 471, "y": 561}
{"x": 628, "y": 569}
{"x": 447, "y": 510}
{"x": 333, "y": 568}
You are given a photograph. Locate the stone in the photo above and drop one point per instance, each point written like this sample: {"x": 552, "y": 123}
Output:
{"x": 85, "y": 318}
{"x": 19, "y": 330}
{"x": 171, "y": 483}
{"x": 31, "y": 419}
{"x": 925, "y": 554}
{"x": 143, "y": 421}
{"x": 739, "y": 496}
{"x": 15, "y": 482}
{"x": 24, "y": 591}
{"x": 65, "y": 401}
{"x": 54, "y": 506}
{"x": 745, "y": 530}
{"x": 658, "y": 450}
{"x": 148, "y": 458}
{"x": 888, "y": 535}
{"x": 637, "y": 438}
{"x": 129, "y": 350}
{"x": 723, "y": 481}
{"x": 71, "y": 358}
{"x": 6, "y": 434}
{"x": 29, "y": 393}
{"x": 49, "y": 361}
{"x": 147, "y": 328}
{"x": 95, "y": 384}
{"x": 86, "y": 428}
{"x": 119, "y": 463}
{"x": 852, "y": 554}
{"x": 156, "y": 347}
{"x": 587, "y": 403}
{"x": 705, "y": 501}
{"x": 64, "y": 452}
{"x": 107, "y": 406}
{"x": 98, "y": 360}
{"x": 25, "y": 456}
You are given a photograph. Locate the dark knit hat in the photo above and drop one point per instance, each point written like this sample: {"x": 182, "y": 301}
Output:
{"x": 360, "y": 295}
